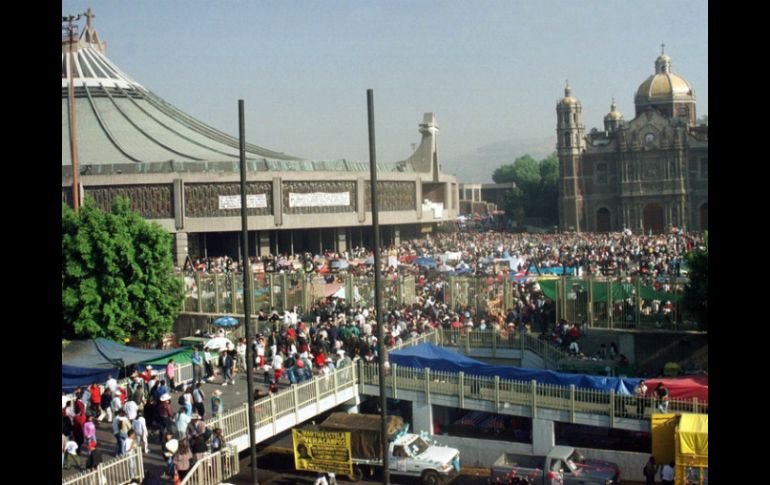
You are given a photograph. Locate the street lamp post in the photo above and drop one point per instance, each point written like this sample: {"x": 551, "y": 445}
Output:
{"x": 71, "y": 28}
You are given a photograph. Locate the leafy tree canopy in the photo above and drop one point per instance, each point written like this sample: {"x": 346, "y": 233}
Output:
{"x": 697, "y": 292}
{"x": 537, "y": 188}
{"x": 117, "y": 274}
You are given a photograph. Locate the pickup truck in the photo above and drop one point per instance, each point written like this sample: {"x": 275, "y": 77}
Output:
{"x": 563, "y": 465}
{"x": 409, "y": 454}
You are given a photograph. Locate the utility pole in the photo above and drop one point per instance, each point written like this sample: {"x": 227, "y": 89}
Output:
{"x": 378, "y": 292}
{"x": 71, "y": 29}
{"x": 247, "y": 298}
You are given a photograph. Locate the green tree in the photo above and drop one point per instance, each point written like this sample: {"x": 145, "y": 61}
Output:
{"x": 117, "y": 274}
{"x": 696, "y": 293}
{"x": 503, "y": 174}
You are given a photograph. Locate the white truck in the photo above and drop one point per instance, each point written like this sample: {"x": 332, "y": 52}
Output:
{"x": 409, "y": 454}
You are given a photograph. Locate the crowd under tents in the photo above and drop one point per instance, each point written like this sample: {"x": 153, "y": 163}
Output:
{"x": 88, "y": 361}
{"x": 439, "y": 359}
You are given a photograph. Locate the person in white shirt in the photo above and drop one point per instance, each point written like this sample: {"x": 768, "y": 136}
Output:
{"x": 240, "y": 349}
{"x": 140, "y": 428}
{"x": 71, "y": 454}
{"x": 667, "y": 474}
{"x": 112, "y": 384}
{"x": 131, "y": 409}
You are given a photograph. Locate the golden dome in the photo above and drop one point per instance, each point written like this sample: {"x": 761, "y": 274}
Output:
{"x": 664, "y": 85}
{"x": 614, "y": 115}
{"x": 568, "y": 99}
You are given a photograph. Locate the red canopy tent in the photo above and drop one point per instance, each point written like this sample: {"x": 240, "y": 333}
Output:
{"x": 685, "y": 387}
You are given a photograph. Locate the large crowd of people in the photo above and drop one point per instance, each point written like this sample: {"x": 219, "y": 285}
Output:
{"x": 294, "y": 346}
{"x": 611, "y": 254}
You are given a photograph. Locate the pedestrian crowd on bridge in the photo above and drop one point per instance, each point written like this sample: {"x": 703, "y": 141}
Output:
{"x": 150, "y": 405}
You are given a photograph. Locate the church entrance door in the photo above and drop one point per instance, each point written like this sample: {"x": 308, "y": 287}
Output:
{"x": 704, "y": 216}
{"x": 653, "y": 218}
{"x": 603, "y": 220}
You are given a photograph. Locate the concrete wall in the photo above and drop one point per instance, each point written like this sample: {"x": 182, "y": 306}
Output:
{"x": 649, "y": 350}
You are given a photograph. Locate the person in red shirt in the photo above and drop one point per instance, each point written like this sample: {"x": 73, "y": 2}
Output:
{"x": 147, "y": 374}
{"x": 77, "y": 427}
{"x": 96, "y": 397}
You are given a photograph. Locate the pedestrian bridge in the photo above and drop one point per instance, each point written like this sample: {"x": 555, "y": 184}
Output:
{"x": 301, "y": 402}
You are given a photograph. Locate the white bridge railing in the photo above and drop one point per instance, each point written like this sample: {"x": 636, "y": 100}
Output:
{"x": 214, "y": 468}
{"x": 113, "y": 472}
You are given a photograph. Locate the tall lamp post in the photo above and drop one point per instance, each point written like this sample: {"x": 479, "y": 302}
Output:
{"x": 378, "y": 291}
{"x": 247, "y": 297}
{"x": 71, "y": 29}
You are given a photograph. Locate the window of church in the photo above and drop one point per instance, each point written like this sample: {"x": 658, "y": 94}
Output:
{"x": 704, "y": 167}
{"x": 566, "y": 139}
{"x": 601, "y": 173}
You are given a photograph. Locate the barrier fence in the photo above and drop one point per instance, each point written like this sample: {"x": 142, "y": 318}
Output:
{"x": 214, "y": 468}
{"x": 119, "y": 470}
{"x": 504, "y": 392}
{"x": 601, "y": 302}
{"x": 223, "y": 292}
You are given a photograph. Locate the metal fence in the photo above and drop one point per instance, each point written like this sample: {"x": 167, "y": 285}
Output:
{"x": 503, "y": 393}
{"x": 622, "y": 303}
{"x": 223, "y": 292}
{"x": 117, "y": 471}
{"x": 214, "y": 468}
{"x": 633, "y": 302}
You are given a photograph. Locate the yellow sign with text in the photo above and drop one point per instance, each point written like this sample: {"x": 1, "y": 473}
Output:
{"x": 322, "y": 451}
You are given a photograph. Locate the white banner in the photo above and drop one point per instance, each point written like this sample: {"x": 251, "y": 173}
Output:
{"x": 319, "y": 199}
{"x": 256, "y": 201}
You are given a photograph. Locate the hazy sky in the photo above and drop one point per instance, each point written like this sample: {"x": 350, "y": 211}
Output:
{"x": 491, "y": 71}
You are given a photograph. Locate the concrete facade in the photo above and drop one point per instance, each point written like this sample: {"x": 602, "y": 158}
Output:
{"x": 185, "y": 175}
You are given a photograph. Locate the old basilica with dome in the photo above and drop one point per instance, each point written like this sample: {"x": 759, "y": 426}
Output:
{"x": 648, "y": 174}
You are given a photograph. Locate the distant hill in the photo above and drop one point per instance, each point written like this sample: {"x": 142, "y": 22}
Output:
{"x": 478, "y": 166}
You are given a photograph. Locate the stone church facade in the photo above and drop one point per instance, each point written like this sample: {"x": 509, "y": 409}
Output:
{"x": 648, "y": 174}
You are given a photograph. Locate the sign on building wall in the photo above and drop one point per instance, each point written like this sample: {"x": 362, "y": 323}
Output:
{"x": 255, "y": 201}
{"x": 322, "y": 451}
{"x": 319, "y": 199}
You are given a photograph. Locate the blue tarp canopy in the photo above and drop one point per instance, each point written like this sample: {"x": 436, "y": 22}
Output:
{"x": 86, "y": 361}
{"x": 437, "y": 358}
{"x": 429, "y": 262}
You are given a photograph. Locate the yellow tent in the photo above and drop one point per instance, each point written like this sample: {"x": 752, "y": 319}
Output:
{"x": 692, "y": 449}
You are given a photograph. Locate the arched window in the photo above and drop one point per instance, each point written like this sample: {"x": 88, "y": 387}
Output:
{"x": 566, "y": 139}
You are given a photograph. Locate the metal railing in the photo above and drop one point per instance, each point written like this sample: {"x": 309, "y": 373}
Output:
{"x": 117, "y": 471}
{"x": 504, "y": 392}
{"x": 214, "y": 468}
{"x": 222, "y": 293}
{"x": 468, "y": 339}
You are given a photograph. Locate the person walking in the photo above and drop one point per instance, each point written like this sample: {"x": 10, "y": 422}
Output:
{"x": 197, "y": 364}
{"x": 170, "y": 447}
{"x": 183, "y": 459}
{"x": 140, "y": 428}
{"x": 71, "y": 457}
{"x": 661, "y": 395}
{"x": 170, "y": 376}
{"x": 640, "y": 391}
{"x": 181, "y": 421}
{"x": 217, "y": 403}
{"x": 650, "y": 470}
{"x": 227, "y": 367}
{"x": 165, "y": 415}
{"x": 198, "y": 399}
{"x": 667, "y": 474}
{"x": 240, "y": 351}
